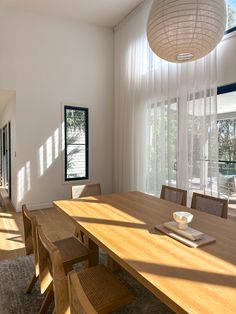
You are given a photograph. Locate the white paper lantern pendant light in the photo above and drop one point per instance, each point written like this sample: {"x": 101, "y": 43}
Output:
{"x": 185, "y": 30}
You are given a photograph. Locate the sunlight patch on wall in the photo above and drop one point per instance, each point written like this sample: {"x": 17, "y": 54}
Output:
{"x": 41, "y": 160}
{"x": 23, "y": 181}
{"x": 50, "y": 150}
{"x": 28, "y": 179}
{"x": 20, "y": 184}
{"x": 56, "y": 143}
{"x": 62, "y": 131}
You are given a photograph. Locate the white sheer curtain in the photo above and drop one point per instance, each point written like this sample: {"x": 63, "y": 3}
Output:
{"x": 165, "y": 115}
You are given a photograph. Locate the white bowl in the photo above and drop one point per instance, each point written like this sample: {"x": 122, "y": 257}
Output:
{"x": 182, "y": 218}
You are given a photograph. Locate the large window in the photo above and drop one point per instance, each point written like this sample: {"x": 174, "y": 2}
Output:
{"x": 231, "y": 20}
{"x": 76, "y": 143}
{"x": 226, "y": 102}
{"x": 227, "y": 146}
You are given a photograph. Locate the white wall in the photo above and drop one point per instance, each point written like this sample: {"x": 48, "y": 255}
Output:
{"x": 49, "y": 61}
{"x": 226, "y": 60}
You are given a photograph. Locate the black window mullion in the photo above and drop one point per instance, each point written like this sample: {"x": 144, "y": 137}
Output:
{"x": 79, "y": 145}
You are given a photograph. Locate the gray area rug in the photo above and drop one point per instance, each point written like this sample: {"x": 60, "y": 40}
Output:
{"x": 15, "y": 274}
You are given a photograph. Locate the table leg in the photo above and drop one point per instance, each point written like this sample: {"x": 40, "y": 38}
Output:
{"x": 94, "y": 256}
{"x": 112, "y": 265}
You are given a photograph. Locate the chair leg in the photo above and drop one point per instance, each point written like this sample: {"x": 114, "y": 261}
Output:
{"x": 31, "y": 283}
{"x": 79, "y": 234}
{"x": 47, "y": 300}
{"x": 76, "y": 232}
{"x": 82, "y": 236}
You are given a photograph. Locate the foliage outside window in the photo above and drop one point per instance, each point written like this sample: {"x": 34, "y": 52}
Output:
{"x": 76, "y": 143}
{"x": 227, "y": 146}
{"x": 231, "y": 21}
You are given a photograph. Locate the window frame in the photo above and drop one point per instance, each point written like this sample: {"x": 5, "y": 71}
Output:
{"x": 229, "y": 30}
{"x": 225, "y": 116}
{"x": 86, "y": 111}
{"x": 224, "y": 89}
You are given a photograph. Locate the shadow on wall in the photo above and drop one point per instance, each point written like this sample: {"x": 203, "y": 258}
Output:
{"x": 46, "y": 156}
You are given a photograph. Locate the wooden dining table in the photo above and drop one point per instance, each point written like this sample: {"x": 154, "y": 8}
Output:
{"x": 188, "y": 280}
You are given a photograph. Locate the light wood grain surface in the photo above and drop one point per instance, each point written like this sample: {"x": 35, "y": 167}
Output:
{"x": 201, "y": 280}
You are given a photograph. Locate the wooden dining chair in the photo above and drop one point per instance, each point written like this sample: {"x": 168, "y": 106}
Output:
{"x": 103, "y": 290}
{"x": 209, "y": 204}
{"x": 72, "y": 252}
{"x": 104, "y": 295}
{"x": 29, "y": 223}
{"x": 31, "y": 247}
{"x": 78, "y": 191}
{"x": 174, "y": 195}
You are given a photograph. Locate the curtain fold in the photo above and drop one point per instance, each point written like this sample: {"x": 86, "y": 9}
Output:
{"x": 165, "y": 115}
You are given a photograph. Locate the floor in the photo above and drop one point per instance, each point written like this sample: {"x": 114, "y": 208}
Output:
{"x": 6, "y": 204}
{"x": 11, "y": 230}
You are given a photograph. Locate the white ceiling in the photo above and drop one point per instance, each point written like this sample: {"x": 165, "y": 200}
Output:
{"x": 100, "y": 12}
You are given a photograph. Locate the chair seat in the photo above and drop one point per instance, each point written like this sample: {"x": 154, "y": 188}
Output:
{"x": 72, "y": 251}
{"x": 104, "y": 290}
